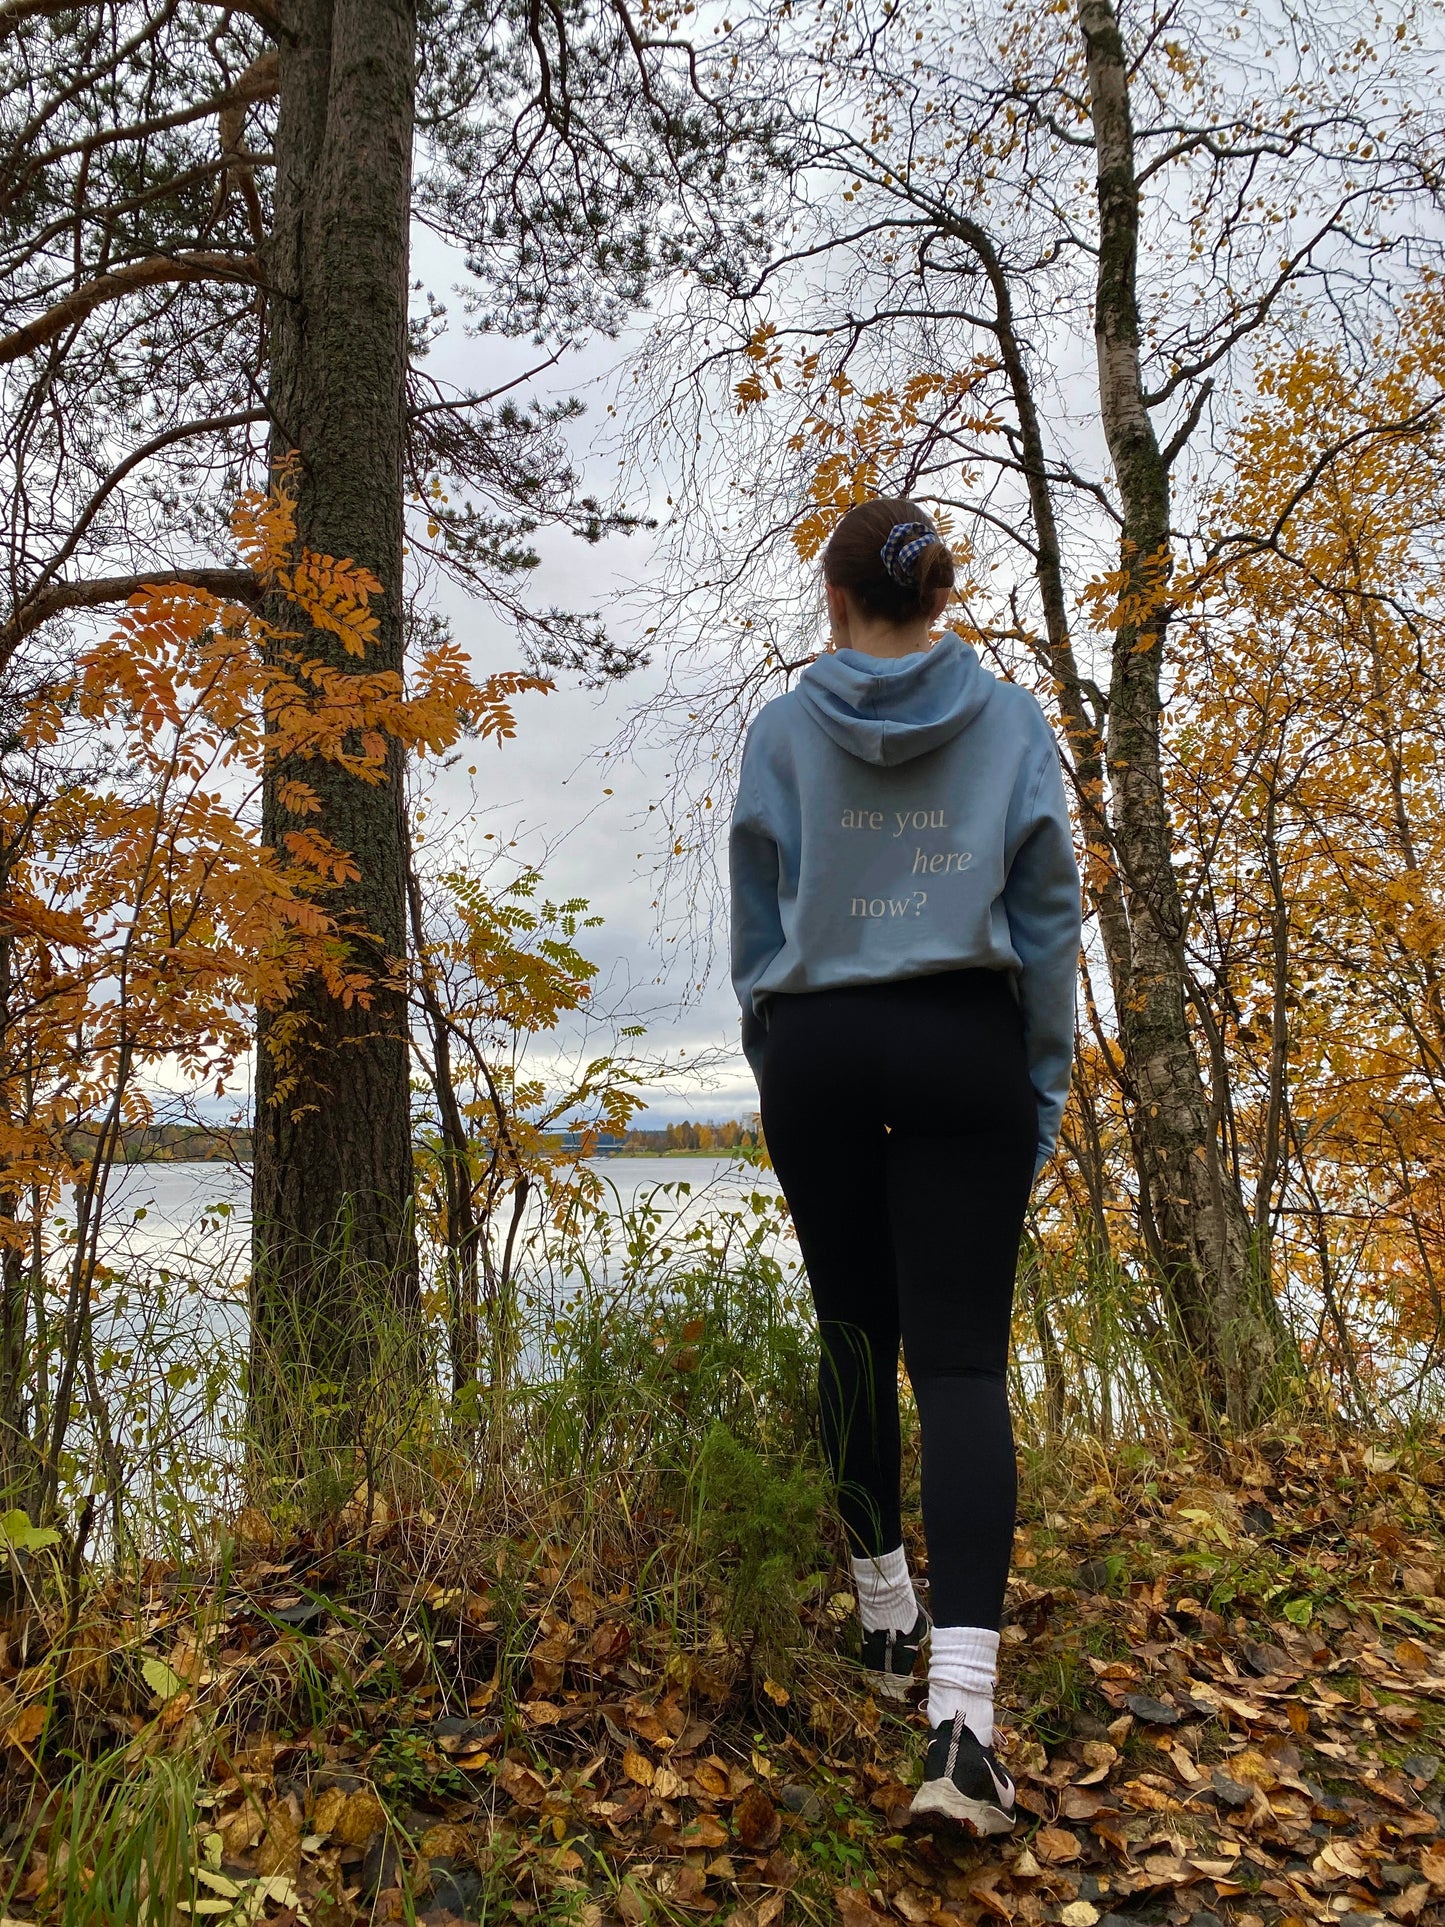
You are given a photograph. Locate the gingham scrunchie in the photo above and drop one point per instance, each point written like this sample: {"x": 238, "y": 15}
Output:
{"x": 900, "y": 553}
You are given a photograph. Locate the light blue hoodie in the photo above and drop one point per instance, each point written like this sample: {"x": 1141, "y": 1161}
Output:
{"x": 898, "y": 816}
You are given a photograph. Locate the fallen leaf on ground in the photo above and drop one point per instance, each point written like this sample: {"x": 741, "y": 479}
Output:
{"x": 756, "y": 1821}
{"x": 915, "y": 1907}
{"x": 280, "y": 1848}
{"x": 759, "y": 1913}
{"x": 682, "y": 1884}
{"x": 1055, "y": 1845}
{"x": 28, "y": 1725}
{"x": 326, "y": 1809}
{"x": 984, "y": 1889}
{"x": 855, "y": 1909}
{"x": 705, "y": 1831}
{"x": 361, "y": 1816}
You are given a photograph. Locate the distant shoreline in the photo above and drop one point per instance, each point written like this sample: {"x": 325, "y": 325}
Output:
{"x": 173, "y": 1144}
{"x": 732, "y": 1154}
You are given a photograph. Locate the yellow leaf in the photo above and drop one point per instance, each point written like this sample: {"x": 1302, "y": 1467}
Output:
{"x": 28, "y": 1725}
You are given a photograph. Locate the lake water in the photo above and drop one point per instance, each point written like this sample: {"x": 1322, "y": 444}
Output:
{"x": 183, "y": 1217}
{"x": 172, "y": 1326}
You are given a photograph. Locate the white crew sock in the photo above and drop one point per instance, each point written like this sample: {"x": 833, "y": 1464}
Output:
{"x": 962, "y": 1666}
{"x": 886, "y": 1600}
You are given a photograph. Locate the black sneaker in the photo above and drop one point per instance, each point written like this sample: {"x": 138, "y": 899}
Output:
{"x": 891, "y": 1657}
{"x": 963, "y": 1781}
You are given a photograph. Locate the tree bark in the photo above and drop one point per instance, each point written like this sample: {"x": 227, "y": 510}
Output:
{"x": 1086, "y": 747}
{"x": 1103, "y": 890}
{"x": 1218, "y": 1293}
{"x": 16, "y": 1457}
{"x": 334, "y": 1255}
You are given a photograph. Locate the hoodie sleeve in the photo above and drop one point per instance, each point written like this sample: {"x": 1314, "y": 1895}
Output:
{"x": 757, "y": 929}
{"x": 1041, "y": 898}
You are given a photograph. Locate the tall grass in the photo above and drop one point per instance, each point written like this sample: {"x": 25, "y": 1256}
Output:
{"x": 119, "y": 1842}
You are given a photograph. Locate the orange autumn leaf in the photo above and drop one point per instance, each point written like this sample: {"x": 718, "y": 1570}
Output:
{"x": 146, "y": 920}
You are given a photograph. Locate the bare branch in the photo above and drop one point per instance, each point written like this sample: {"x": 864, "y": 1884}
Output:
{"x": 15, "y": 12}
{"x": 235, "y": 585}
{"x": 1187, "y": 427}
{"x": 157, "y": 270}
{"x": 187, "y": 431}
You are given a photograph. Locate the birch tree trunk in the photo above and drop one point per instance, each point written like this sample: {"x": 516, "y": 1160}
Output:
{"x": 17, "y": 1459}
{"x": 1082, "y": 727}
{"x": 1218, "y": 1294}
{"x": 333, "y": 1247}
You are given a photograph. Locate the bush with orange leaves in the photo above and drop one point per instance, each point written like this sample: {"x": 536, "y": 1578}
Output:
{"x": 143, "y": 922}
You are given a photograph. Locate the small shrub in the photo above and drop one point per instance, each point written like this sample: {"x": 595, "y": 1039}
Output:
{"x": 758, "y": 1530}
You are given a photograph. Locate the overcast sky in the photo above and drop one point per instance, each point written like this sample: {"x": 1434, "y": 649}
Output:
{"x": 546, "y": 788}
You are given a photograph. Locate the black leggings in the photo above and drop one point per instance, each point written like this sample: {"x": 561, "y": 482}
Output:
{"x": 903, "y": 1129}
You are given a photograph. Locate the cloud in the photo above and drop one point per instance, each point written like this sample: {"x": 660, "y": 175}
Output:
{"x": 546, "y": 790}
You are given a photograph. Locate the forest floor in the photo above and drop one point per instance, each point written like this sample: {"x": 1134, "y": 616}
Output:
{"x": 1223, "y": 1699}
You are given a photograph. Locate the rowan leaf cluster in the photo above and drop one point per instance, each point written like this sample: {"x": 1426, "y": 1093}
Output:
{"x": 144, "y": 921}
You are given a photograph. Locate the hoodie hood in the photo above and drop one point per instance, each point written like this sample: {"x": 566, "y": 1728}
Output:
{"x": 887, "y": 710}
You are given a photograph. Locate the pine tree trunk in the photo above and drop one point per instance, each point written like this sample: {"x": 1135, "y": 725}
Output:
{"x": 1221, "y": 1305}
{"x": 334, "y": 1257}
